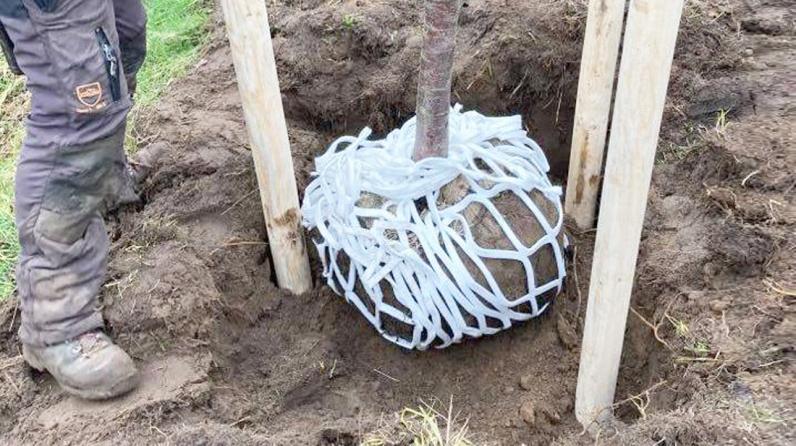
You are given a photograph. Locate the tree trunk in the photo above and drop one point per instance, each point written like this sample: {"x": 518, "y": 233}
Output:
{"x": 434, "y": 80}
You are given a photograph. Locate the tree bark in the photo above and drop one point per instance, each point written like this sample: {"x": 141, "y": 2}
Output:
{"x": 434, "y": 79}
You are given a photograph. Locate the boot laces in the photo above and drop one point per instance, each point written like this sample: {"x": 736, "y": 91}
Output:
{"x": 86, "y": 343}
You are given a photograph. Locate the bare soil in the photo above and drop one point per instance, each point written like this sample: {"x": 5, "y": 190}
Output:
{"x": 229, "y": 359}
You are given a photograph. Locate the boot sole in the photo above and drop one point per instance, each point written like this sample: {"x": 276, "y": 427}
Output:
{"x": 120, "y": 388}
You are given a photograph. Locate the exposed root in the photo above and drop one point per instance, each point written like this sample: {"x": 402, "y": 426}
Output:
{"x": 654, "y": 328}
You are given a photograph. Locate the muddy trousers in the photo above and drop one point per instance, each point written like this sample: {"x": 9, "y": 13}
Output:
{"x": 78, "y": 56}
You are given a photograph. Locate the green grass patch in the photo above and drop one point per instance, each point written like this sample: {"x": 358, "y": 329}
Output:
{"x": 13, "y": 107}
{"x": 175, "y": 35}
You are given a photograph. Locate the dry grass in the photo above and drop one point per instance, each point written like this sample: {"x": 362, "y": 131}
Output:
{"x": 423, "y": 426}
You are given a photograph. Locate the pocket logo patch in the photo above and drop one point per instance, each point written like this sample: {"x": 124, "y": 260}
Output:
{"x": 90, "y": 95}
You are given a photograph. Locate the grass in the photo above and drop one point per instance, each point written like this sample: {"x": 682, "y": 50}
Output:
{"x": 423, "y": 426}
{"x": 430, "y": 428}
{"x": 695, "y": 137}
{"x": 350, "y": 21}
{"x": 175, "y": 35}
{"x": 759, "y": 414}
{"x": 13, "y": 106}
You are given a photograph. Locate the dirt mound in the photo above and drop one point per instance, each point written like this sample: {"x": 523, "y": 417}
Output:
{"x": 230, "y": 359}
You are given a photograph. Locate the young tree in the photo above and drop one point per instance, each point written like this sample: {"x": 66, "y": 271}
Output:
{"x": 434, "y": 79}
{"x": 401, "y": 306}
{"x": 432, "y": 140}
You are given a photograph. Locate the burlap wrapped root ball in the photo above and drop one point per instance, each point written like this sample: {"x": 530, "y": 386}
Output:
{"x": 434, "y": 251}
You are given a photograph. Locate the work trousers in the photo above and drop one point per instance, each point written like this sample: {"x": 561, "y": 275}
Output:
{"x": 78, "y": 57}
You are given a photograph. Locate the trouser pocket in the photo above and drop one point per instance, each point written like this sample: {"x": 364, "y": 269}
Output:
{"x": 84, "y": 181}
{"x": 82, "y": 46}
{"x": 111, "y": 60}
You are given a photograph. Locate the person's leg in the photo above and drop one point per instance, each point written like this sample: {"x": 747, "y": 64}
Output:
{"x": 130, "y": 18}
{"x": 70, "y": 168}
{"x": 131, "y": 28}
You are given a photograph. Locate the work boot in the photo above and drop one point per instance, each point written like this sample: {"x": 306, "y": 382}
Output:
{"x": 143, "y": 163}
{"x": 90, "y": 366}
{"x": 138, "y": 170}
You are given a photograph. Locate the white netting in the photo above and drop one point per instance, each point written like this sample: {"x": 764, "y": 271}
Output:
{"x": 394, "y": 251}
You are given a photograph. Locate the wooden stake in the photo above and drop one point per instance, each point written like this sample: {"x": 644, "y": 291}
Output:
{"x": 593, "y": 107}
{"x": 641, "y": 92}
{"x": 255, "y": 66}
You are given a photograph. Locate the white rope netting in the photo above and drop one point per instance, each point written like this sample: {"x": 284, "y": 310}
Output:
{"x": 396, "y": 251}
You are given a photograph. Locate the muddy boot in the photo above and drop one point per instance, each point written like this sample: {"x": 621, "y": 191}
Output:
{"x": 138, "y": 170}
{"x": 143, "y": 163}
{"x": 90, "y": 367}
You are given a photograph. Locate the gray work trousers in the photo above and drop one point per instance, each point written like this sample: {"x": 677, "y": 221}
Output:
{"x": 77, "y": 56}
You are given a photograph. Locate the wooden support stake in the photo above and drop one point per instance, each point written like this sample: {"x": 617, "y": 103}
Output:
{"x": 255, "y": 66}
{"x": 593, "y": 108}
{"x": 641, "y": 92}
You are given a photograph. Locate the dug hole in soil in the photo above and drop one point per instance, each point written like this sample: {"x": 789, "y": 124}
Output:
{"x": 228, "y": 358}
